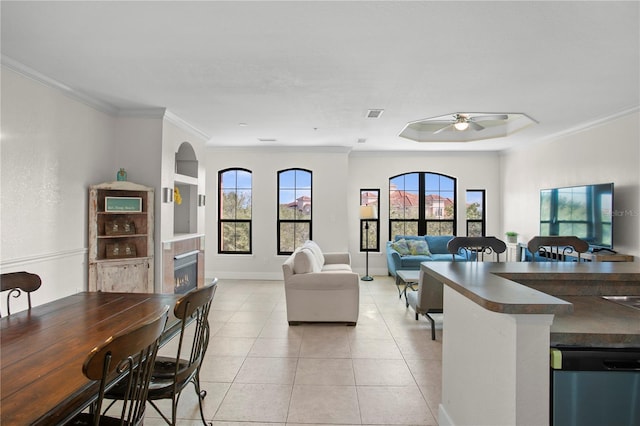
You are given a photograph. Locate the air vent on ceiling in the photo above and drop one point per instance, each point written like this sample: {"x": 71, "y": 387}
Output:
{"x": 374, "y": 113}
{"x": 267, "y": 139}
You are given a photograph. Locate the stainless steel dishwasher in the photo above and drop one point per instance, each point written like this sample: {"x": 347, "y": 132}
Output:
{"x": 595, "y": 386}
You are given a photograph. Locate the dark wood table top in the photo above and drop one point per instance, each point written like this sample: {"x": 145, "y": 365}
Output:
{"x": 42, "y": 351}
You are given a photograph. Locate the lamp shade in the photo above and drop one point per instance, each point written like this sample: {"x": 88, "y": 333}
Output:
{"x": 368, "y": 212}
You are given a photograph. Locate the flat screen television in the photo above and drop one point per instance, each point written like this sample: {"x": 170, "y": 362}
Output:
{"x": 585, "y": 211}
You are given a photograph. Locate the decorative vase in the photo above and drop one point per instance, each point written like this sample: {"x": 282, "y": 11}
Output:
{"x": 121, "y": 175}
{"x": 512, "y": 238}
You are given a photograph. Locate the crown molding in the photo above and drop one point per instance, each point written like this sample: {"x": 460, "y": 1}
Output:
{"x": 590, "y": 124}
{"x": 283, "y": 149}
{"x": 34, "y": 75}
{"x": 152, "y": 112}
{"x": 187, "y": 127}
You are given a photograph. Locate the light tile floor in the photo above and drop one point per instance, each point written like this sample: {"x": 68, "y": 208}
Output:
{"x": 260, "y": 371}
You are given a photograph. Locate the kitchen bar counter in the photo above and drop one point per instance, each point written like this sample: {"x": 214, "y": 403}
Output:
{"x": 571, "y": 291}
{"x": 500, "y": 320}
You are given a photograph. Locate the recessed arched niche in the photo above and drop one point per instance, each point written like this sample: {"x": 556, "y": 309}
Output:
{"x": 185, "y": 202}
{"x": 186, "y": 160}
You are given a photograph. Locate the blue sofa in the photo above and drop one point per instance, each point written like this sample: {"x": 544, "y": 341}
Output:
{"x": 437, "y": 251}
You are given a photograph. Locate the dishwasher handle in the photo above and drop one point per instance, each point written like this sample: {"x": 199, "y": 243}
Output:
{"x": 622, "y": 364}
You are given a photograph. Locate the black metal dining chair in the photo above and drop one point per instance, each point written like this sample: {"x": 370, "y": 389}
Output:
{"x": 556, "y": 248}
{"x": 172, "y": 374}
{"x": 131, "y": 355}
{"x": 16, "y": 283}
{"x": 476, "y": 248}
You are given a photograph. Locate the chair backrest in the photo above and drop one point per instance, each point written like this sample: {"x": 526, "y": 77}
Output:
{"x": 194, "y": 308}
{"x": 556, "y": 248}
{"x": 131, "y": 354}
{"x": 16, "y": 283}
{"x": 475, "y": 248}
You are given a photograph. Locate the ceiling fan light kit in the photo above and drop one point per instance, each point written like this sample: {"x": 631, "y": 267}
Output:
{"x": 465, "y": 127}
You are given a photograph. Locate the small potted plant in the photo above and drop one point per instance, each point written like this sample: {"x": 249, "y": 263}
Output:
{"x": 512, "y": 237}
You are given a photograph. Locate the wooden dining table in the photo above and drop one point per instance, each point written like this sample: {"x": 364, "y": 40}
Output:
{"x": 42, "y": 351}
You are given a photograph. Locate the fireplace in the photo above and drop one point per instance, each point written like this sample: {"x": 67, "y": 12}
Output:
{"x": 185, "y": 271}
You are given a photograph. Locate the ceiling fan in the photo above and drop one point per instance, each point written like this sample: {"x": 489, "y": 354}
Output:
{"x": 461, "y": 122}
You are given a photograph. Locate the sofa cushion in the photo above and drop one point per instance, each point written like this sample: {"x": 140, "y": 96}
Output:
{"x": 419, "y": 247}
{"x": 438, "y": 243}
{"x": 413, "y": 262}
{"x": 401, "y": 246}
{"x": 304, "y": 262}
{"x": 336, "y": 267}
{"x": 315, "y": 249}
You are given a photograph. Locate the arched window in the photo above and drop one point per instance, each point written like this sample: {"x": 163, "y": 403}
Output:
{"x": 422, "y": 203}
{"x": 234, "y": 215}
{"x": 294, "y": 209}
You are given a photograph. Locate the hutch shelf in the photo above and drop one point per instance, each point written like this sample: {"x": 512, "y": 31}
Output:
{"x": 121, "y": 243}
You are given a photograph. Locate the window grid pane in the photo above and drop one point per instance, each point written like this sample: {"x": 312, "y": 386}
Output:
{"x": 234, "y": 211}
{"x": 475, "y": 212}
{"x": 294, "y": 209}
{"x": 422, "y": 203}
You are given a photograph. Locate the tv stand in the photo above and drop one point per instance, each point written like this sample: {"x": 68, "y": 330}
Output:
{"x": 603, "y": 255}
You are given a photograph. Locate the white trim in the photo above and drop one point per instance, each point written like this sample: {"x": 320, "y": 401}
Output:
{"x": 285, "y": 149}
{"x": 32, "y": 74}
{"x": 39, "y": 258}
{"x": 583, "y": 126}
{"x": 142, "y": 112}
{"x": 179, "y": 122}
{"x": 443, "y": 417}
{"x": 155, "y": 112}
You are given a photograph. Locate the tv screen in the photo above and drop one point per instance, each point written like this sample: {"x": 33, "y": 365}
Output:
{"x": 584, "y": 211}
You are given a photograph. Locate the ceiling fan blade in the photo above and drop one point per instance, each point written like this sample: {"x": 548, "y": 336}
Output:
{"x": 493, "y": 117}
{"x": 442, "y": 129}
{"x": 474, "y": 125}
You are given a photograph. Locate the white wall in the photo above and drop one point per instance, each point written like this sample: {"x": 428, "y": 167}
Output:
{"x": 173, "y": 135}
{"x": 608, "y": 152}
{"x": 337, "y": 179}
{"x": 52, "y": 149}
{"x": 330, "y": 227}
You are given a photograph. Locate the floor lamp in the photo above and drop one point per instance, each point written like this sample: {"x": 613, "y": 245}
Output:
{"x": 367, "y": 213}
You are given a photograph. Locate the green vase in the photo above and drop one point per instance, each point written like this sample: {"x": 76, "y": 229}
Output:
{"x": 121, "y": 175}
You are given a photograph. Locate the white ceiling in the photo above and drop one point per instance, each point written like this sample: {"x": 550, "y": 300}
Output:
{"x": 306, "y": 72}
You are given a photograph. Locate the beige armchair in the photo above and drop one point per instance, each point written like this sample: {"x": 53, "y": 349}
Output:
{"x": 320, "y": 287}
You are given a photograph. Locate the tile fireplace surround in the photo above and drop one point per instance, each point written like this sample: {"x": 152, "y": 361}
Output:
{"x": 176, "y": 247}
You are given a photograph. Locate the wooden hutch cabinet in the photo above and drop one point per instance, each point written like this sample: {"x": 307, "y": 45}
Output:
{"x": 121, "y": 237}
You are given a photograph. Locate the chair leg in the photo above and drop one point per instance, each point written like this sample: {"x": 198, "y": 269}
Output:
{"x": 201, "y": 395}
{"x": 433, "y": 326}
{"x": 159, "y": 412}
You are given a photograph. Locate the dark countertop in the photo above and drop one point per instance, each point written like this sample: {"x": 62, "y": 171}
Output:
{"x": 570, "y": 291}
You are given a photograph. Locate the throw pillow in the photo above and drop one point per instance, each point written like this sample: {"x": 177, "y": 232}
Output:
{"x": 401, "y": 246}
{"x": 315, "y": 249}
{"x": 419, "y": 248}
{"x": 304, "y": 262}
